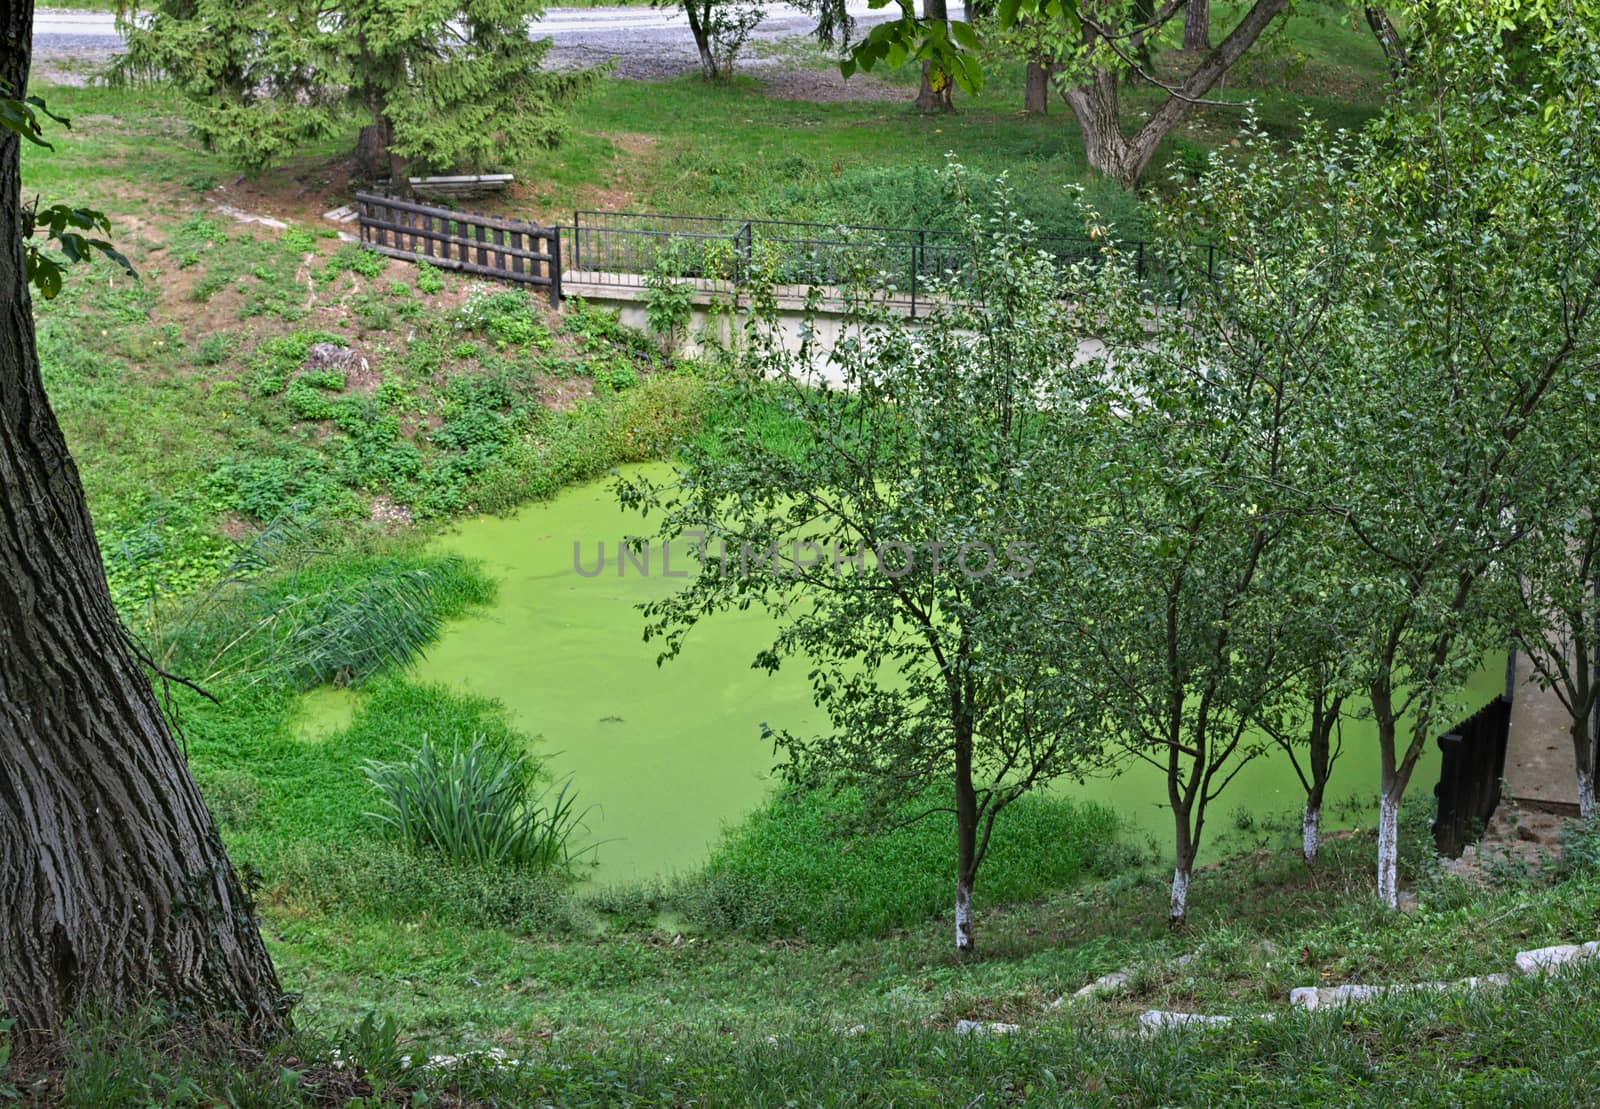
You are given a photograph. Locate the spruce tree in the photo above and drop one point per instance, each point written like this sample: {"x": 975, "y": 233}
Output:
{"x": 437, "y": 84}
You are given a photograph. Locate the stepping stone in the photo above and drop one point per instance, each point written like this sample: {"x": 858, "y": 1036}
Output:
{"x": 1160, "y": 1020}
{"x": 1542, "y": 960}
{"x": 985, "y": 1028}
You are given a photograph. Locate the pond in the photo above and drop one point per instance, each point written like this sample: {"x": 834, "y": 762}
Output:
{"x": 668, "y": 755}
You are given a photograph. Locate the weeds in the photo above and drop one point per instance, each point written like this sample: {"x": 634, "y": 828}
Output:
{"x": 475, "y": 805}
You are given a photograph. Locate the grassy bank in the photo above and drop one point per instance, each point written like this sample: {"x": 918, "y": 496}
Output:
{"x": 660, "y": 1017}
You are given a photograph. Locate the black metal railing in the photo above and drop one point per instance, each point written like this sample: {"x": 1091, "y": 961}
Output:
{"x": 1469, "y": 776}
{"x": 913, "y": 265}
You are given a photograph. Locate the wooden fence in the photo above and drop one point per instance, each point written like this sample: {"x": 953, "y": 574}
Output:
{"x": 511, "y": 250}
{"x": 1469, "y": 777}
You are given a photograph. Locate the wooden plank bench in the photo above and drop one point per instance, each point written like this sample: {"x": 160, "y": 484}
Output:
{"x": 473, "y": 184}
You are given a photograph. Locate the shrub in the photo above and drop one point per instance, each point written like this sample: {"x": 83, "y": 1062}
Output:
{"x": 476, "y": 806}
{"x": 788, "y": 870}
{"x": 353, "y": 258}
{"x": 429, "y": 279}
{"x": 214, "y": 349}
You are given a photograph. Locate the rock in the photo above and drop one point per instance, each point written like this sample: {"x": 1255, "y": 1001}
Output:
{"x": 331, "y": 356}
{"x": 1542, "y": 960}
{"x": 985, "y": 1028}
{"x": 1159, "y": 1020}
{"x": 1104, "y": 984}
{"x": 1313, "y": 997}
{"x": 1343, "y": 995}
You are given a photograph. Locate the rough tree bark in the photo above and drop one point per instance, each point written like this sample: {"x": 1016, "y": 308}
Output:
{"x": 375, "y": 161}
{"x": 930, "y": 99}
{"x": 1394, "y": 47}
{"x": 1197, "y": 25}
{"x": 1095, "y": 102}
{"x": 1036, "y": 90}
{"x": 115, "y": 889}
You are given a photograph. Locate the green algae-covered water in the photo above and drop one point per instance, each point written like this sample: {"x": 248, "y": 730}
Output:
{"x": 669, "y": 754}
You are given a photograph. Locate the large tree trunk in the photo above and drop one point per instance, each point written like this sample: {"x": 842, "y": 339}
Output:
{"x": 115, "y": 889}
{"x": 930, "y": 99}
{"x": 375, "y": 157}
{"x": 1036, "y": 91}
{"x": 1106, "y": 148}
{"x": 1095, "y": 102}
{"x": 1197, "y": 25}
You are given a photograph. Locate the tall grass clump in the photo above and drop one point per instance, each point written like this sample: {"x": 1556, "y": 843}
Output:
{"x": 792, "y": 868}
{"x": 476, "y": 804}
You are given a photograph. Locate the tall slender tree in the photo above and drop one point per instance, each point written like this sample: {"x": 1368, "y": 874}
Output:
{"x": 1479, "y": 318}
{"x": 907, "y": 533}
{"x": 115, "y": 885}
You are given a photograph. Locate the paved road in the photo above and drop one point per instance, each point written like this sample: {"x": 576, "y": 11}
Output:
{"x": 603, "y": 32}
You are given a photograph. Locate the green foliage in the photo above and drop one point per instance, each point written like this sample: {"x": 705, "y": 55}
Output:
{"x": 794, "y": 868}
{"x": 62, "y": 224}
{"x": 507, "y": 316}
{"x": 259, "y": 81}
{"x": 214, "y": 349}
{"x": 477, "y": 805}
{"x": 918, "y": 449}
{"x": 668, "y": 302}
{"x": 353, "y": 258}
{"x": 429, "y": 280}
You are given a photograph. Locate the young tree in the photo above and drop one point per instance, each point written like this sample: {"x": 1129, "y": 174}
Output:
{"x": 440, "y": 84}
{"x": 1204, "y": 535}
{"x": 898, "y": 518}
{"x": 116, "y": 887}
{"x": 720, "y": 28}
{"x": 1480, "y": 315}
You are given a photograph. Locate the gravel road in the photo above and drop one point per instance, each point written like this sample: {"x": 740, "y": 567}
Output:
{"x": 646, "y": 43}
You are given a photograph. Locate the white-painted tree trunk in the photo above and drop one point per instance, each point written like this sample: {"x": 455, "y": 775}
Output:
{"x": 1179, "y": 908}
{"x": 1311, "y": 832}
{"x": 964, "y": 914}
{"x": 1586, "y": 795}
{"x": 1389, "y": 850}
